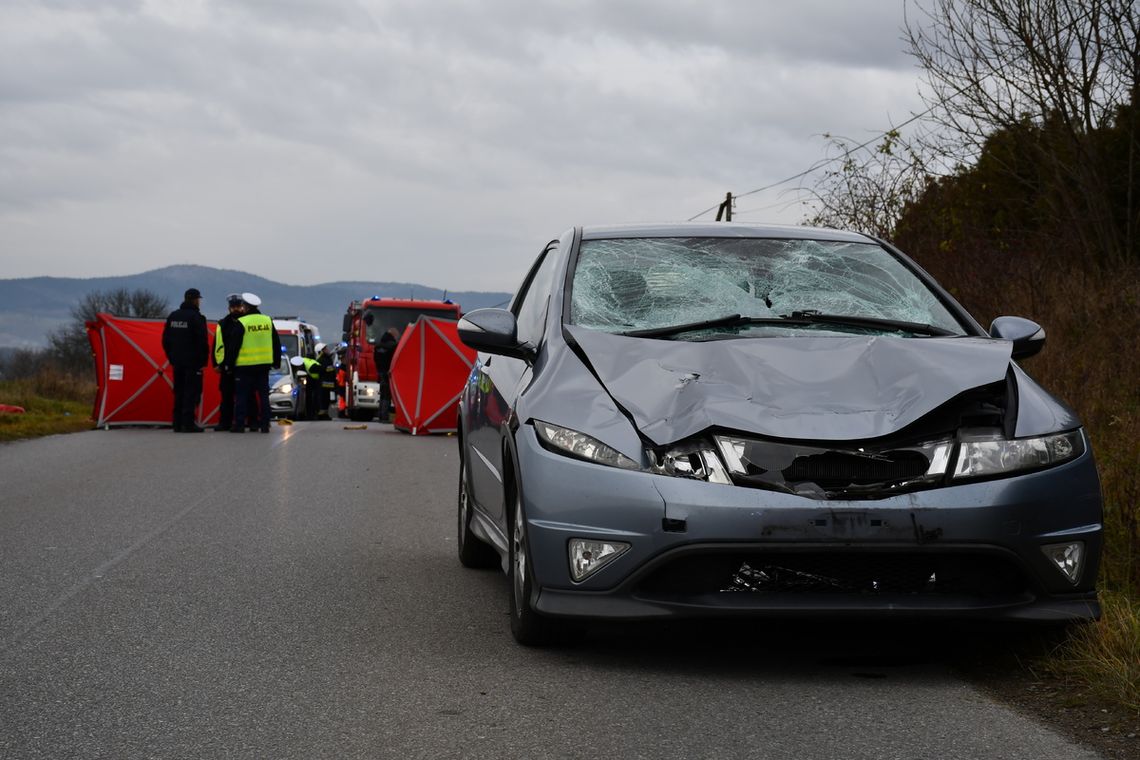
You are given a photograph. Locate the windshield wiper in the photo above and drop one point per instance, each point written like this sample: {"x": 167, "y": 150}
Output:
{"x": 811, "y": 316}
{"x": 796, "y": 318}
{"x": 732, "y": 320}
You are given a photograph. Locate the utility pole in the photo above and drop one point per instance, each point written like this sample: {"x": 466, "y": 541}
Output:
{"x": 725, "y": 209}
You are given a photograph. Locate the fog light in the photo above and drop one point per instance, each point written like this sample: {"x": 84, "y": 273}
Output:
{"x": 588, "y": 556}
{"x": 1067, "y": 558}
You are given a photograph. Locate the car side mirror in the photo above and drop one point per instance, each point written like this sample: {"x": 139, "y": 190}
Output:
{"x": 1028, "y": 337}
{"x": 494, "y": 331}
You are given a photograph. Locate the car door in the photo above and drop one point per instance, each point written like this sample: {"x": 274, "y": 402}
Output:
{"x": 498, "y": 382}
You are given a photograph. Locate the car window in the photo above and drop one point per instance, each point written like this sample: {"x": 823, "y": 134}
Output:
{"x": 644, "y": 283}
{"x": 531, "y": 310}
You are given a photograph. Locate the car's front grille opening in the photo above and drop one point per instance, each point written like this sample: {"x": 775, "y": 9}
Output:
{"x": 852, "y": 470}
{"x": 861, "y": 573}
{"x": 836, "y": 469}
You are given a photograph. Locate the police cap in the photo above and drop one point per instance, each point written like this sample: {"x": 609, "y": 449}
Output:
{"x": 251, "y": 299}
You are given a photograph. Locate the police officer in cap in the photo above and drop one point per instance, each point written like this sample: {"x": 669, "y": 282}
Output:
{"x": 225, "y": 339}
{"x": 258, "y": 348}
{"x": 311, "y": 382}
{"x": 186, "y": 344}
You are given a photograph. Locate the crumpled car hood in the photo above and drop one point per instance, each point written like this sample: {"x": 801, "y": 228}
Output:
{"x": 807, "y": 388}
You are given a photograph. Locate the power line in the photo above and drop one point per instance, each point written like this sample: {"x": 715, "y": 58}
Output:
{"x": 817, "y": 166}
{"x": 941, "y": 101}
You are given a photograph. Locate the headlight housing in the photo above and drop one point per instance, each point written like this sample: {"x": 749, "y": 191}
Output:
{"x": 694, "y": 460}
{"x": 284, "y": 388}
{"x": 581, "y": 446}
{"x": 980, "y": 457}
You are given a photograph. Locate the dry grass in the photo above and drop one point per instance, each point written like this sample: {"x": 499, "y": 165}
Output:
{"x": 53, "y": 403}
{"x": 1106, "y": 654}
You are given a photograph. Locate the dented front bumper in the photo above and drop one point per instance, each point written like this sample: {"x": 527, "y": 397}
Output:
{"x": 969, "y": 550}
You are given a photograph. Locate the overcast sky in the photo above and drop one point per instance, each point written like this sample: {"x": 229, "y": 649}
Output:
{"x": 441, "y": 142}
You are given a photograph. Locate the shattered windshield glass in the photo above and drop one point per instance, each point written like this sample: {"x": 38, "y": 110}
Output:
{"x": 643, "y": 283}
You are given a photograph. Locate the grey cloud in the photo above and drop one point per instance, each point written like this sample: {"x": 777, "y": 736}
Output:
{"x": 259, "y": 125}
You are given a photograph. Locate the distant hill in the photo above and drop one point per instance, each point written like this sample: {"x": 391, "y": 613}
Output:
{"x": 33, "y": 306}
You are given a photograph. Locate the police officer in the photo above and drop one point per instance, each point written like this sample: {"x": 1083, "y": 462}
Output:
{"x": 258, "y": 348}
{"x": 312, "y": 384}
{"x": 327, "y": 377}
{"x": 186, "y": 344}
{"x": 225, "y": 338}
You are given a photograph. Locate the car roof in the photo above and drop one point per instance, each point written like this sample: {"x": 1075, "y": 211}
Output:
{"x": 721, "y": 229}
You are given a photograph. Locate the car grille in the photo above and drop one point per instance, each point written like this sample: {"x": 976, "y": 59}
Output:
{"x": 847, "y": 470}
{"x": 862, "y": 573}
{"x": 836, "y": 469}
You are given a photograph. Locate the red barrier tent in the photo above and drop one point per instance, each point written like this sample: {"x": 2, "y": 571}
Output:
{"x": 429, "y": 369}
{"x": 136, "y": 386}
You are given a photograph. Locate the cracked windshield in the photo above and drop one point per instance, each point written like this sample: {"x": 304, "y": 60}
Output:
{"x": 625, "y": 285}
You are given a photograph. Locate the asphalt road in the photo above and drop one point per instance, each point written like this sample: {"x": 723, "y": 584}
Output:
{"x": 297, "y": 595}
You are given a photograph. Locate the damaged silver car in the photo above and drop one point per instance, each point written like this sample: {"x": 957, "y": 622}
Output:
{"x": 727, "y": 419}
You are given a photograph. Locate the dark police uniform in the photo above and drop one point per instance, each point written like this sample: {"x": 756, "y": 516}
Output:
{"x": 186, "y": 344}
{"x": 225, "y": 338}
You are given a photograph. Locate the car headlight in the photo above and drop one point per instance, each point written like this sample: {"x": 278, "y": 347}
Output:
{"x": 981, "y": 457}
{"x": 284, "y": 388}
{"x": 581, "y": 446}
{"x": 696, "y": 461}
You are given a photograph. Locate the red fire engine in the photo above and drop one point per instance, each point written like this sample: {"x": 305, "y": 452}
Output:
{"x": 364, "y": 323}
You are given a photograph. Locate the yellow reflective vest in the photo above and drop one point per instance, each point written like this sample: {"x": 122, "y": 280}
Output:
{"x": 219, "y": 346}
{"x": 257, "y": 342}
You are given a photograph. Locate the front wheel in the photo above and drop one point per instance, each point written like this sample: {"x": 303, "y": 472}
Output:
{"x": 527, "y": 626}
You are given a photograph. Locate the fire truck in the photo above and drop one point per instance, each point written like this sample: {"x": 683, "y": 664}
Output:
{"x": 364, "y": 323}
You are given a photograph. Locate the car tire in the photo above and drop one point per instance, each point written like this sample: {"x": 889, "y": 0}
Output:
{"x": 359, "y": 415}
{"x": 473, "y": 551}
{"x": 528, "y": 627}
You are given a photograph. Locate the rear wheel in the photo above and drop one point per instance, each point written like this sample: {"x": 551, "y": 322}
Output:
{"x": 473, "y": 552}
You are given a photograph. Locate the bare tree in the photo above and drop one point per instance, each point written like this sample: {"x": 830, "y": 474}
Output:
{"x": 1067, "y": 66}
{"x": 69, "y": 345}
{"x": 869, "y": 186}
